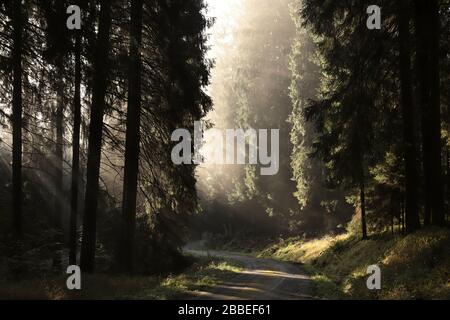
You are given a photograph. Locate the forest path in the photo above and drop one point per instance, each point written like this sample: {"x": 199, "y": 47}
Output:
{"x": 260, "y": 279}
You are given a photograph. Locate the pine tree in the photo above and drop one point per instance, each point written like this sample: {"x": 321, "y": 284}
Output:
{"x": 101, "y": 67}
{"x": 408, "y": 113}
{"x": 132, "y": 143}
{"x": 427, "y": 32}
{"x": 75, "y": 176}
{"x": 18, "y": 20}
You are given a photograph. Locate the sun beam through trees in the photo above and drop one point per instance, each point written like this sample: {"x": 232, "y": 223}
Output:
{"x": 348, "y": 117}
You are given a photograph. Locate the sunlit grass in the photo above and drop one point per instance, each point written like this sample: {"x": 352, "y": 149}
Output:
{"x": 416, "y": 266}
{"x": 207, "y": 275}
{"x": 301, "y": 251}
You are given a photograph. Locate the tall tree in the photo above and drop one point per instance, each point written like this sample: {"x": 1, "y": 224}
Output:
{"x": 427, "y": 30}
{"x": 354, "y": 113}
{"x": 75, "y": 152}
{"x": 57, "y": 50}
{"x": 18, "y": 27}
{"x": 409, "y": 134}
{"x": 132, "y": 137}
{"x": 314, "y": 198}
{"x": 437, "y": 215}
{"x": 100, "y": 76}
{"x": 59, "y": 151}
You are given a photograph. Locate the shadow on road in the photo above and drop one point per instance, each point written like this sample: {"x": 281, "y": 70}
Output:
{"x": 260, "y": 279}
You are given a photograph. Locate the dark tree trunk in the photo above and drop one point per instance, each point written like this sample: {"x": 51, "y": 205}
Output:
{"x": 448, "y": 184}
{"x": 409, "y": 134}
{"x": 95, "y": 138}
{"x": 427, "y": 29}
{"x": 423, "y": 86}
{"x": 18, "y": 23}
{"x": 75, "y": 153}
{"x": 392, "y": 223}
{"x": 59, "y": 124}
{"x": 362, "y": 199}
{"x": 132, "y": 138}
{"x": 58, "y": 162}
{"x": 437, "y": 214}
{"x": 447, "y": 211}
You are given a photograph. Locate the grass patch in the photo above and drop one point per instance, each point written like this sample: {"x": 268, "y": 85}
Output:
{"x": 416, "y": 266}
{"x": 204, "y": 273}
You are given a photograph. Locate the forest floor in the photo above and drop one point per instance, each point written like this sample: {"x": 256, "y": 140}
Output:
{"x": 415, "y": 266}
{"x": 204, "y": 274}
{"x": 213, "y": 275}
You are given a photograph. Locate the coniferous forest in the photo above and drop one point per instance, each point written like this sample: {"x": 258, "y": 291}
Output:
{"x": 333, "y": 166}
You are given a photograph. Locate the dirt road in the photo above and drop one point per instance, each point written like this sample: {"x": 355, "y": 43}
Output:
{"x": 260, "y": 279}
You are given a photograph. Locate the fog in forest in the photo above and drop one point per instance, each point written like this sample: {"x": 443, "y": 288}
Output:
{"x": 341, "y": 159}
{"x": 251, "y": 46}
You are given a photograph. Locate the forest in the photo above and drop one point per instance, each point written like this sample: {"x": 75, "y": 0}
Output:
{"x": 92, "y": 91}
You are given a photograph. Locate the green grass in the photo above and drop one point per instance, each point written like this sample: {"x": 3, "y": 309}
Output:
{"x": 201, "y": 277}
{"x": 204, "y": 273}
{"x": 416, "y": 266}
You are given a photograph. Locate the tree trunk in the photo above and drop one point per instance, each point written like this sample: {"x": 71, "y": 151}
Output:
{"x": 58, "y": 164}
{"x": 411, "y": 173}
{"x": 363, "y": 209}
{"x": 75, "y": 153}
{"x": 58, "y": 169}
{"x": 95, "y": 138}
{"x": 392, "y": 223}
{"x": 448, "y": 184}
{"x": 437, "y": 214}
{"x": 17, "y": 117}
{"x": 427, "y": 30}
{"x": 132, "y": 138}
